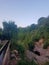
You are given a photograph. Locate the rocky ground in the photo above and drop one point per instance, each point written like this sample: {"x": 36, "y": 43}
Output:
{"x": 40, "y": 55}
{"x": 14, "y": 57}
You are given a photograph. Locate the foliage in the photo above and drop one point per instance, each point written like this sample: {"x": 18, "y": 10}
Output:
{"x": 31, "y": 46}
{"x": 9, "y": 29}
{"x": 47, "y": 63}
{"x": 24, "y": 62}
{"x": 26, "y": 36}
{"x": 21, "y": 50}
{"x": 42, "y": 21}
{"x": 46, "y": 44}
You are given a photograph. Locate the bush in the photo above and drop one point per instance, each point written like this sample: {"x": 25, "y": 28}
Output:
{"x": 21, "y": 50}
{"x": 46, "y": 44}
{"x": 24, "y": 62}
{"x": 31, "y": 46}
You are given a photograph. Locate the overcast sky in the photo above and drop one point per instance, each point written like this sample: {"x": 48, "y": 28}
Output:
{"x": 23, "y": 12}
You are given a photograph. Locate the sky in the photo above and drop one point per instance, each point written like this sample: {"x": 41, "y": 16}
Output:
{"x": 23, "y": 12}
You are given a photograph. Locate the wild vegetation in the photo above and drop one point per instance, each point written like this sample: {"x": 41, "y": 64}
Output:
{"x": 24, "y": 38}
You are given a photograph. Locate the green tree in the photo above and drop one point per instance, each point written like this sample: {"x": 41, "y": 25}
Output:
{"x": 9, "y": 29}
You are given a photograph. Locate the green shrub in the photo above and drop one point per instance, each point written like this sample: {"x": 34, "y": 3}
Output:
{"x": 31, "y": 46}
{"x": 20, "y": 49}
{"x": 24, "y": 62}
{"x": 46, "y": 44}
